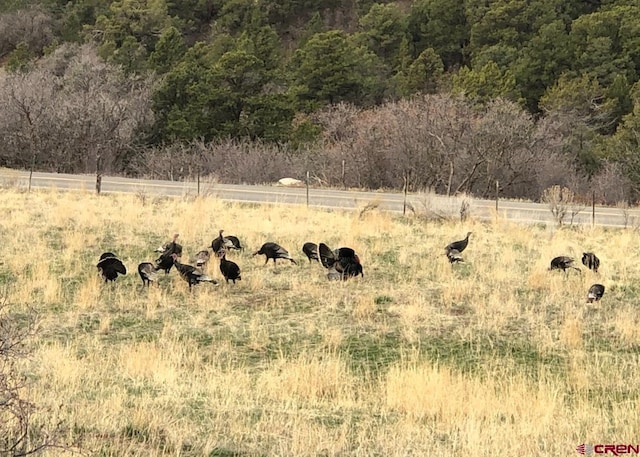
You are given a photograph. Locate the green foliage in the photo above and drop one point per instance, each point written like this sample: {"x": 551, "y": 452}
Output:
{"x": 542, "y": 61}
{"x": 486, "y": 83}
{"x": 441, "y": 25}
{"x": 509, "y": 22}
{"x": 131, "y": 54}
{"x": 128, "y": 32}
{"x": 263, "y": 42}
{"x": 330, "y": 69}
{"x": 618, "y": 94}
{"x": 582, "y": 103}
{"x": 20, "y": 58}
{"x": 13, "y": 5}
{"x": 177, "y": 102}
{"x": 304, "y": 132}
{"x": 601, "y": 50}
{"x": 423, "y": 75}
{"x": 582, "y": 98}
{"x": 314, "y": 26}
{"x": 384, "y": 29}
{"x": 208, "y": 94}
{"x": 624, "y": 146}
{"x": 236, "y": 15}
{"x": 168, "y": 51}
{"x": 194, "y": 15}
{"x": 284, "y": 57}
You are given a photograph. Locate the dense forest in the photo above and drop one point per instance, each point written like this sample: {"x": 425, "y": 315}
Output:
{"x": 448, "y": 95}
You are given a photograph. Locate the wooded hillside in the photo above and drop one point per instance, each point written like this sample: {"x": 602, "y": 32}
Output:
{"x": 447, "y": 94}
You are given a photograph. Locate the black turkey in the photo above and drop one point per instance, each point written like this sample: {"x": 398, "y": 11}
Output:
{"x": 110, "y": 266}
{"x": 595, "y": 293}
{"x": 223, "y": 242}
{"x": 148, "y": 273}
{"x": 274, "y": 251}
{"x": 235, "y": 242}
{"x": 190, "y": 273}
{"x": 591, "y": 261}
{"x": 563, "y": 263}
{"x": 342, "y": 263}
{"x": 230, "y": 270}
{"x": 171, "y": 247}
{"x": 165, "y": 261}
{"x": 458, "y": 245}
{"x": 311, "y": 251}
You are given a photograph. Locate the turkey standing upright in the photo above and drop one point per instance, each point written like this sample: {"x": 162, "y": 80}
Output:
{"x": 230, "y": 270}
{"x": 165, "y": 261}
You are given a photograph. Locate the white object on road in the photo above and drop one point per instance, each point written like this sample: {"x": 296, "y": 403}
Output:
{"x": 290, "y": 182}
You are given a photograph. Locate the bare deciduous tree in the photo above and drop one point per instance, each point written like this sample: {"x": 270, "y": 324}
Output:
{"x": 31, "y": 26}
{"x": 73, "y": 112}
{"x": 560, "y": 201}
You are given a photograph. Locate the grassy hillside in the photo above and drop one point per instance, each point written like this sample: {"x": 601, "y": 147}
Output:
{"x": 497, "y": 356}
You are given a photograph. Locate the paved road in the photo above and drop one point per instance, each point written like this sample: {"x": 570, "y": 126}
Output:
{"x": 325, "y": 198}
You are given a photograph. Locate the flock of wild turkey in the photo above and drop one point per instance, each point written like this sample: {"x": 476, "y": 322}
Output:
{"x": 589, "y": 260}
{"x": 342, "y": 263}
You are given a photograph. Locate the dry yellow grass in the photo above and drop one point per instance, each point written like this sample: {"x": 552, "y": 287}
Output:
{"x": 497, "y": 356}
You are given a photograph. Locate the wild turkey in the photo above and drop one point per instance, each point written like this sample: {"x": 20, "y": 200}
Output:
{"x": 171, "y": 247}
{"x": 458, "y": 245}
{"x": 274, "y": 251}
{"x": 222, "y": 242}
{"x": 165, "y": 261}
{"x": 235, "y": 242}
{"x": 110, "y": 266}
{"x": 230, "y": 270}
{"x": 563, "y": 263}
{"x": 595, "y": 293}
{"x": 311, "y": 251}
{"x": 148, "y": 273}
{"x": 191, "y": 274}
{"x": 454, "y": 256}
{"x": 591, "y": 261}
{"x": 342, "y": 263}
{"x": 202, "y": 259}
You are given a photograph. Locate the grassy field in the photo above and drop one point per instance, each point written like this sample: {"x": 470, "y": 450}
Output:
{"x": 493, "y": 357}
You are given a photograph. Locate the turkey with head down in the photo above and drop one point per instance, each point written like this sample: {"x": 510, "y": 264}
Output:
{"x": 595, "y": 293}
{"x": 274, "y": 251}
{"x": 591, "y": 261}
{"x": 311, "y": 251}
{"x": 191, "y": 274}
{"x": 563, "y": 263}
{"x": 148, "y": 273}
{"x": 201, "y": 259}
